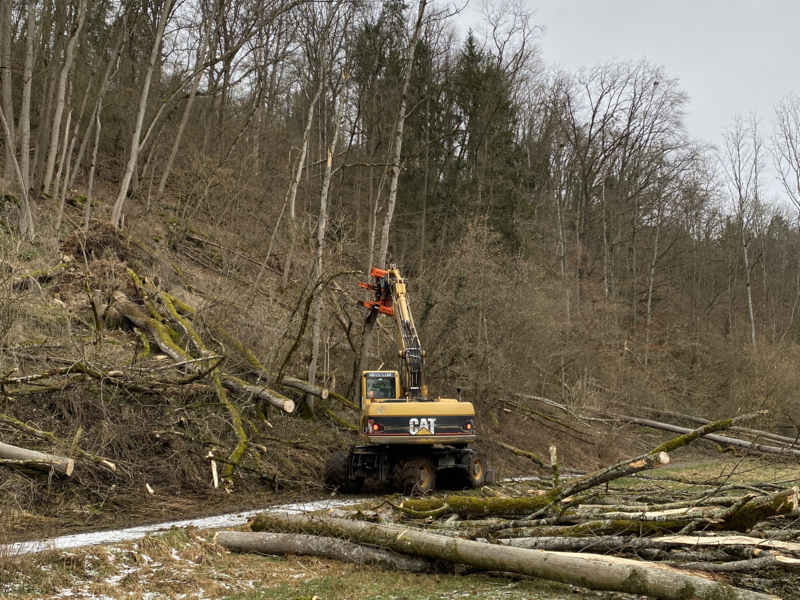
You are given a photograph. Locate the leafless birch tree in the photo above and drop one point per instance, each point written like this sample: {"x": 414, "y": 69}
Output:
{"x": 136, "y": 142}
{"x": 61, "y": 92}
{"x": 744, "y": 166}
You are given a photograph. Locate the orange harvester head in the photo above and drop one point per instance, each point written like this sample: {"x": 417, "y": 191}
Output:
{"x": 383, "y": 295}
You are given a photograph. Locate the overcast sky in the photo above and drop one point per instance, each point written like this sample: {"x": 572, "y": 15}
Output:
{"x": 731, "y": 56}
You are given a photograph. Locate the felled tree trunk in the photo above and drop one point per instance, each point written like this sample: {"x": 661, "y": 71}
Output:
{"x": 519, "y": 452}
{"x": 256, "y": 365}
{"x": 36, "y": 460}
{"x": 590, "y": 571}
{"x": 239, "y": 386}
{"x": 159, "y": 331}
{"x": 720, "y": 439}
{"x": 49, "y": 437}
{"x": 314, "y": 545}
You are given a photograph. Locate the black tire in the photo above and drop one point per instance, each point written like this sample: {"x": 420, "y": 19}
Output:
{"x": 415, "y": 475}
{"x": 476, "y": 469}
{"x": 336, "y": 474}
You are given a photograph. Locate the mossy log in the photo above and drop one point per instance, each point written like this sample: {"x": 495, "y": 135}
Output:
{"x": 161, "y": 333}
{"x": 473, "y": 506}
{"x": 656, "y": 457}
{"x": 238, "y": 427}
{"x": 598, "y": 544}
{"x": 31, "y": 279}
{"x": 343, "y": 423}
{"x": 721, "y": 541}
{"x": 258, "y": 368}
{"x": 590, "y": 529}
{"x": 744, "y": 518}
{"x": 36, "y": 460}
{"x": 744, "y": 566}
{"x": 343, "y": 400}
{"x": 589, "y": 571}
{"x": 519, "y": 452}
{"x": 476, "y": 507}
{"x": 157, "y": 329}
{"x": 326, "y": 547}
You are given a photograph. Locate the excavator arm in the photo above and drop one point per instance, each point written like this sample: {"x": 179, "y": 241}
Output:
{"x": 391, "y": 298}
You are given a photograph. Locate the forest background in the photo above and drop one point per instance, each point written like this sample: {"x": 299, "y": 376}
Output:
{"x": 563, "y": 235}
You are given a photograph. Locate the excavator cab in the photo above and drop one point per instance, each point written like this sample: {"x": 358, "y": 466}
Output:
{"x": 380, "y": 386}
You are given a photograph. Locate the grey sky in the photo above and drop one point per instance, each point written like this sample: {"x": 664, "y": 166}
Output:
{"x": 731, "y": 56}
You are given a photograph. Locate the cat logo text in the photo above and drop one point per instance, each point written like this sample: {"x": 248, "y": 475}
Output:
{"x": 422, "y": 426}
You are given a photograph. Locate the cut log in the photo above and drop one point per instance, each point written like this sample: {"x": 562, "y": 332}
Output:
{"x": 610, "y": 543}
{"x": 36, "y": 460}
{"x": 326, "y": 547}
{"x": 473, "y": 506}
{"x": 589, "y": 571}
{"x": 49, "y": 437}
{"x": 238, "y": 386}
{"x": 744, "y": 518}
{"x": 590, "y": 529}
{"x": 742, "y": 566}
{"x": 598, "y": 544}
{"x": 255, "y": 364}
{"x": 720, "y": 439}
{"x": 159, "y": 331}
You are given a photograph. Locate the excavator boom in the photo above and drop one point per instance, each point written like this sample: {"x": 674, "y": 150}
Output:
{"x": 391, "y": 298}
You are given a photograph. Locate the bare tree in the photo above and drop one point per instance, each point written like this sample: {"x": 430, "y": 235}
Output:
{"x": 202, "y": 56}
{"x": 785, "y": 150}
{"x": 744, "y": 165}
{"x": 6, "y": 33}
{"x": 25, "y": 213}
{"x": 136, "y": 142}
{"x": 61, "y": 92}
{"x": 25, "y": 106}
{"x": 394, "y": 174}
{"x": 112, "y": 66}
{"x": 321, "y": 227}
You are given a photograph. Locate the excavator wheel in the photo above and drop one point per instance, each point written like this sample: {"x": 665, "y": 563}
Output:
{"x": 477, "y": 470}
{"x": 415, "y": 475}
{"x": 336, "y": 474}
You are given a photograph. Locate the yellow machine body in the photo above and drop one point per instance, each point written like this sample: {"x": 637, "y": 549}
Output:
{"x": 388, "y": 417}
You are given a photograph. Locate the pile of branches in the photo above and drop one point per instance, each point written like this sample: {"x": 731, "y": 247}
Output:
{"x": 682, "y": 545}
{"x": 174, "y": 327}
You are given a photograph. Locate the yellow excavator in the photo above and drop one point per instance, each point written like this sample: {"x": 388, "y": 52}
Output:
{"x": 406, "y": 436}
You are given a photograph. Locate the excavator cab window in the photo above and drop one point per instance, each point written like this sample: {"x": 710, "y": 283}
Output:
{"x": 382, "y": 387}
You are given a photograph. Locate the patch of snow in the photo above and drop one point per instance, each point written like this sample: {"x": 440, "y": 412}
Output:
{"x": 134, "y": 533}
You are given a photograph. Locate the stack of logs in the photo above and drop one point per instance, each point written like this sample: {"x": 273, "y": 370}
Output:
{"x": 690, "y": 543}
